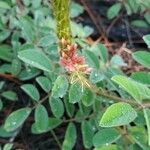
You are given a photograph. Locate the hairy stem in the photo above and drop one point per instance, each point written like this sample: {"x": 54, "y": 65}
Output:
{"x": 61, "y": 11}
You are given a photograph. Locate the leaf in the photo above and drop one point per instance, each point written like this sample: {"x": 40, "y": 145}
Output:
{"x": 139, "y": 24}
{"x": 6, "y": 53}
{"x": 114, "y": 10}
{"x": 75, "y": 92}
{"x": 96, "y": 76}
{"x": 1, "y": 104}
{"x": 69, "y": 107}
{"x": 52, "y": 123}
{"x": 4, "y": 35}
{"x": 137, "y": 90}
{"x": 108, "y": 147}
{"x": 45, "y": 83}
{"x": 76, "y": 10}
{"x": 142, "y": 57}
{"x": 57, "y": 107}
{"x": 70, "y": 137}
{"x": 35, "y": 58}
{"x": 87, "y": 134}
{"x": 146, "y": 38}
{"x": 103, "y": 52}
{"x": 142, "y": 77}
{"x": 4, "y": 5}
{"x": 10, "y": 95}
{"x": 16, "y": 66}
{"x": 16, "y": 119}
{"x": 8, "y": 146}
{"x": 87, "y": 97}
{"x": 41, "y": 118}
{"x": 117, "y": 60}
{"x": 6, "y": 134}
{"x": 118, "y": 114}
{"x": 105, "y": 137}
{"x": 91, "y": 58}
{"x": 60, "y": 87}
{"x": 31, "y": 90}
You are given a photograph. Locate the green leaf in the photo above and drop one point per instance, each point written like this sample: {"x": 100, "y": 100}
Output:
{"x": 16, "y": 66}
{"x": 105, "y": 137}
{"x": 4, "y": 35}
{"x": 31, "y": 90}
{"x": 87, "y": 134}
{"x": 139, "y": 24}
{"x": 69, "y": 107}
{"x": 103, "y": 52}
{"x": 36, "y": 58}
{"x": 137, "y": 90}
{"x": 6, "y": 134}
{"x": 1, "y": 104}
{"x": 57, "y": 107}
{"x": 142, "y": 77}
{"x": 28, "y": 28}
{"x": 76, "y": 10}
{"x": 117, "y": 60}
{"x": 8, "y": 146}
{"x": 142, "y": 57}
{"x": 75, "y": 92}
{"x": 45, "y": 83}
{"x": 96, "y": 76}
{"x": 91, "y": 58}
{"x": 60, "y": 87}
{"x": 118, "y": 114}
{"x": 16, "y": 119}
{"x": 70, "y": 137}
{"x": 146, "y": 38}
{"x": 10, "y": 95}
{"x": 87, "y": 97}
{"x": 114, "y": 10}
{"x": 41, "y": 118}
{"x": 6, "y": 53}
{"x": 52, "y": 123}
{"x": 4, "y": 5}
{"x": 108, "y": 147}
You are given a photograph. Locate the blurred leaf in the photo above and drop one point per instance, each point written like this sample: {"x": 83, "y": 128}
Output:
{"x": 91, "y": 58}
{"x": 139, "y": 24}
{"x": 6, "y": 134}
{"x": 146, "y": 38}
{"x": 114, "y": 10}
{"x": 57, "y": 107}
{"x": 108, "y": 147}
{"x": 75, "y": 92}
{"x": 117, "y": 60}
{"x": 35, "y": 58}
{"x": 143, "y": 77}
{"x": 4, "y": 5}
{"x": 60, "y": 87}
{"x": 52, "y": 123}
{"x": 8, "y": 146}
{"x": 16, "y": 119}
{"x": 96, "y": 76}
{"x": 6, "y": 53}
{"x": 44, "y": 82}
{"x": 87, "y": 134}
{"x": 137, "y": 90}
{"x": 87, "y": 97}
{"x": 4, "y": 35}
{"x": 70, "y": 137}
{"x": 105, "y": 137}
{"x": 76, "y": 10}
{"x": 1, "y": 104}
{"x": 16, "y": 66}
{"x": 31, "y": 90}
{"x": 41, "y": 118}
{"x": 10, "y": 95}
{"x": 118, "y": 114}
{"x": 142, "y": 57}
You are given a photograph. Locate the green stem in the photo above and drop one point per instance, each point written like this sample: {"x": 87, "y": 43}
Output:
{"x": 61, "y": 11}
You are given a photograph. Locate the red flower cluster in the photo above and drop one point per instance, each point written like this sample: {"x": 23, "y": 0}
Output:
{"x": 72, "y": 61}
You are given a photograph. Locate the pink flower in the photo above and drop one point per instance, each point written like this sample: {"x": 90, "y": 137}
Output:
{"x": 72, "y": 62}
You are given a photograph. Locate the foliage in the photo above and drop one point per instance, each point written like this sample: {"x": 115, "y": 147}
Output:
{"x": 104, "y": 105}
